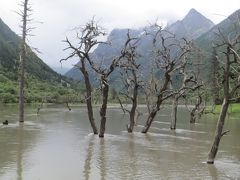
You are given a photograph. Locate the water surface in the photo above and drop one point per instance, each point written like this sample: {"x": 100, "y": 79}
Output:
{"x": 58, "y": 145}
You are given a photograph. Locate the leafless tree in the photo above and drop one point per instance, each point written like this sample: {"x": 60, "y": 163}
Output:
{"x": 150, "y": 90}
{"x": 169, "y": 55}
{"x": 88, "y": 38}
{"x": 25, "y": 15}
{"x": 189, "y": 83}
{"x": 228, "y": 46}
{"x": 198, "y": 108}
{"x": 131, "y": 77}
{"x": 104, "y": 72}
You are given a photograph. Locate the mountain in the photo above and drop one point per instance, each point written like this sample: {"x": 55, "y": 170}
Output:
{"x": 228, "y": 28}
{"x": 9, "y": 55}
{"x": 42, "y": 81}
{"x": 105, "y": 52}
{"x": 191, "y": 26}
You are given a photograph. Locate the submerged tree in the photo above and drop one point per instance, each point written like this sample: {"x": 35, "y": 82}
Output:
{"x": 169, "y": 55}
{"x": 104, "y": 71}
{"x": 198, "y": 108}
{"x": 88, "y": 38}
{"x": 189, "y": 83}
{"x": 228, "y": 47}
{"x": 23, "y": 55}
{"x": 131, "y": 77}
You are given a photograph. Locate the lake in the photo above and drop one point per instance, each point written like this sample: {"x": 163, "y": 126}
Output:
{"x": 58, "y": 144}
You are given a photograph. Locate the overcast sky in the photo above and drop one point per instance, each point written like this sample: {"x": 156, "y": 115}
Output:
{"x": 59, "y": 16}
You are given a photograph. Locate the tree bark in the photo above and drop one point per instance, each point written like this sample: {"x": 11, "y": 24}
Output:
{"x": 133, "y": 111}
{"x": 149, "y": 121}
{"x": 89, "y": 98}
{"x": 22, "y": 62}
{"x": 174, "y": 113}
{"x": 218, "y": 134}
{"x": 160, "y": 99}
{"x": 194, "y": 111}
{"x": 193, "y": 116}
{"x": 103, "y": 109}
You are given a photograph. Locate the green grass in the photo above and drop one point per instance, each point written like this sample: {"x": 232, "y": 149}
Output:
{"x": 233, "y": 108}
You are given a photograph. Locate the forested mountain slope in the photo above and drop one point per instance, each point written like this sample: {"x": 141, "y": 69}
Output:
{"x": 42, "y": 81}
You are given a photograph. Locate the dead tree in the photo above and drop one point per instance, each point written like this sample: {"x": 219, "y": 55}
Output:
{"x": 228, "y": 45}
{"x": 130, "y": 74}
{"x": 197, "y": 110}
{"x": 150, "y": 90}
{"x": 189, "y": 83}
{"x": 104, "y": 72}
{"x": 23, "y": 54}
{"x": 169, "y": 54}
{"x": 88, "y": 38}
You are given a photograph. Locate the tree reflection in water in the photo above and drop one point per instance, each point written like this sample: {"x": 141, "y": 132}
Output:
{"x": 20, "y": 152}
{"x": 87, "y": 164}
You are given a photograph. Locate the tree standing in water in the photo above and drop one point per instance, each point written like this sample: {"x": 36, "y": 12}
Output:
{"x": 189, "y": 83}
{"x": 229, "y": 47}
{"x": 23, "y": 54}
{"x": 88, "y": 38}
{"x": 104, "y": 71}
{"x": 131, "y": 77}
{"x": 169, "y": 55}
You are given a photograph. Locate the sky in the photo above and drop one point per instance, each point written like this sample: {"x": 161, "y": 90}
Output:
{"x": 54, "y": 19}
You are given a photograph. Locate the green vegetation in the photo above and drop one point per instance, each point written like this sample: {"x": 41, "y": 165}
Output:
{"x": 43, "y": 84}
{"x": 233, "y": 108}
{"x": 38, "y": 91}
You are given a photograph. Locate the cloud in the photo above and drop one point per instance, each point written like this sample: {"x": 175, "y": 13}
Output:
{"x": 59, "y": 16}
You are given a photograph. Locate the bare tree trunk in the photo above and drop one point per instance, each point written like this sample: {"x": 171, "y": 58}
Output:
{"x": 40, "y": 107}
{"x": 89, "y": 99}
{"x": 193, "y": 116}
{"x": 22, "y": 62}
{"x": 149, "y": 121}
{"x": 21, "y": 90}
{"x": 160, "y": 99}
{"x": 103, "y": 109}
{"x": 87, "y": 37}
{"x": 194, "y": 111}
{"x": 69, "y": 108}
{"x": 218, "y": 134}
{"x": 174, "y": 113}
{"x": 133, "y": 110}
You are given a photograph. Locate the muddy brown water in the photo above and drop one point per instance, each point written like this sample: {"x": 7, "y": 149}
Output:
{"x": 58, "y": 145}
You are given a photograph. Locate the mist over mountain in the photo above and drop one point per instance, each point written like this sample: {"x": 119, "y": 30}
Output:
{"x": 191, "y": 26}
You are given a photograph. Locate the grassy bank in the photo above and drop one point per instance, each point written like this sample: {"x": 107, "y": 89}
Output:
{"x": 233, "y": 108}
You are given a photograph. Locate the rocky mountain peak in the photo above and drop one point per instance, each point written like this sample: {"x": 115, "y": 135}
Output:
{"x": 194, "y": 16}
{"x": 192, "y": 25}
